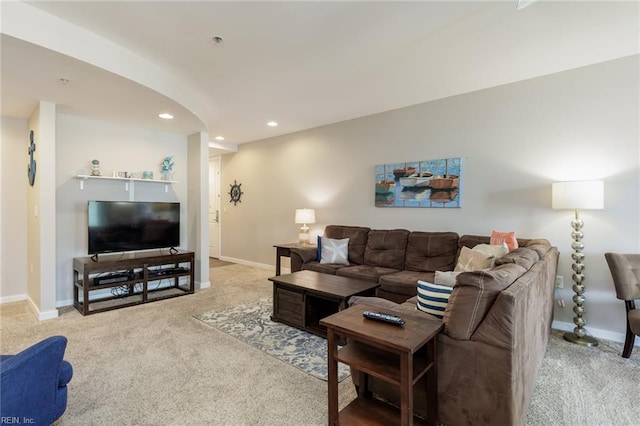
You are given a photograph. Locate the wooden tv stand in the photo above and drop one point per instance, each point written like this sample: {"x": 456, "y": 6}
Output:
{"x": 131, "y": 278}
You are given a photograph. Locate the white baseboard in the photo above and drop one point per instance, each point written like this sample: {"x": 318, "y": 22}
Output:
{"x": 246, "y": 262}
{"x": 42, "y": 315}
{"x": 203, "y": 285}
{"x": 14, "y": 298}
{"x": 595, "y": 332}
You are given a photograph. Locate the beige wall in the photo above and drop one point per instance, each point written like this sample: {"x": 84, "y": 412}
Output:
{"x": 515, "y": 139}
{"x": 41, "y": 214}
{"x": 13, "y": 209}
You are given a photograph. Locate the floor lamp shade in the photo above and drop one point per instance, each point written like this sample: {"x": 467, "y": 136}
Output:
{"x": 578, "y": 195}
{"x": 305, "y": 216}
{"x": 583, "y": 194}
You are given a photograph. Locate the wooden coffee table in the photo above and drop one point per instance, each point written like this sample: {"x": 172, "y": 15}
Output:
{"x": 400, "y": 355}
{"x": 303, "y": 298}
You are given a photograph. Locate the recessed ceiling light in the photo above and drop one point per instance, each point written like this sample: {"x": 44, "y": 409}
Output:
{"x": 166, "y": 116}
{"x": 65, "y": 81}
{"x": 219, "y": 138}
{"x": 217, "y": 39}
{"x": 272, "y": 124}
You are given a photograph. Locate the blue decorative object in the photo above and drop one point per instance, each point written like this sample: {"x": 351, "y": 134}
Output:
{"x": 31, "y": 168}
{"x": 167, "y": 168}
{"x": 34, "y": 383}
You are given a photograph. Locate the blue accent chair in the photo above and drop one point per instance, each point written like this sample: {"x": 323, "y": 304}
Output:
{"x": 33, "y": 383}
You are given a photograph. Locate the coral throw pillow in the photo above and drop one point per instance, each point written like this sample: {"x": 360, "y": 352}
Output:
{"x": 504, "y": 237}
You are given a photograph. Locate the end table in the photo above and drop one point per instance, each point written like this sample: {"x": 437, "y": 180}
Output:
{"x": 400, "y": 355}
{"x": 284, "y": 250}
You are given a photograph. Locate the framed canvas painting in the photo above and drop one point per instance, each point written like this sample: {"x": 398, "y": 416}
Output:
{"x": 426, "y": 183}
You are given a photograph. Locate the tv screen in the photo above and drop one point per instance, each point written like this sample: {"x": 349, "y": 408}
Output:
{"x": 127, "y": 225}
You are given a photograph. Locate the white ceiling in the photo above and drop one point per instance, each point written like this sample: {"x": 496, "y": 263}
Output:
{"x": 303, "y": 64}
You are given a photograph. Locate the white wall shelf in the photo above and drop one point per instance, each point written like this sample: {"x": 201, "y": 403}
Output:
{"x": 129, "y": 183}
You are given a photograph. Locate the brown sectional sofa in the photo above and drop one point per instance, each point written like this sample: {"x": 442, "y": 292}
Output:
{"x": 497, "y": 322}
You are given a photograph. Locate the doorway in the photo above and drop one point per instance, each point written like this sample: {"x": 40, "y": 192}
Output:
{"x": 214, "y": 207}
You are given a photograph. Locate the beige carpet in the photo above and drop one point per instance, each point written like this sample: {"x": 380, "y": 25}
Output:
{"x": 156, "y": 364}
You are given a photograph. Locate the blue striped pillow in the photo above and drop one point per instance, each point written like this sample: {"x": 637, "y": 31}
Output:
{"x": 433, "y": 298}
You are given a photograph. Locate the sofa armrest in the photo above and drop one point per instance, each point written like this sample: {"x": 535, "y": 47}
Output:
{"x": 32, "y": 380}
{"x": 300, "y": 255}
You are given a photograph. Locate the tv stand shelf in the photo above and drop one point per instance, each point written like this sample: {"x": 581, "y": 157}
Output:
{"x": 133, "y": 278}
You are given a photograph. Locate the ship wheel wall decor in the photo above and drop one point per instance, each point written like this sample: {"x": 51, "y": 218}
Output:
{"x": 235, "y": 193}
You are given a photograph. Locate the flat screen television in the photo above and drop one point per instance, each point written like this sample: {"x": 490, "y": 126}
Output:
{"x": 118, "y": 226}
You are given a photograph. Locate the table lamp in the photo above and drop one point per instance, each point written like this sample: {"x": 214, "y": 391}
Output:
{"x": 305, "y": 216}
{"x": 576, "y": 195}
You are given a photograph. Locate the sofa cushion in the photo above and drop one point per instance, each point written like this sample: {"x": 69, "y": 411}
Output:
{"x": 472, "y": 240}
{"x": 364, "y": 272}
{"x": 357, "y": 236}
{"x": 334, "y": 251}
{"x": 539, "y": 245}
{"x": 386, "y": 248}
{"x": 404, "y": 282}
{"x": 473, "y": 296}
{"x": 325, "y": 268}
{"x": 521, "y": 256}
{"x": 431, "y": 251}
{"x": 433, "y": 298}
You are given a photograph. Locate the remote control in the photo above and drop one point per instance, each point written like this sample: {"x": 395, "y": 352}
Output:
{"x": 381, "y": 316}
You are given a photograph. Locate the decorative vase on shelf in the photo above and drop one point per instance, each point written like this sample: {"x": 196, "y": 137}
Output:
{"x": 95, "y": 168}
{"x": 167, "y": 168}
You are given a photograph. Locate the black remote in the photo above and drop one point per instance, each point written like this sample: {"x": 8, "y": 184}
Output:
{"x": 381, "y": 316}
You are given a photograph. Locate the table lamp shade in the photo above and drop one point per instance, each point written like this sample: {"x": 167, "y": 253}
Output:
{"x": 584, "y": 194}
{"x": 305, "y": 216}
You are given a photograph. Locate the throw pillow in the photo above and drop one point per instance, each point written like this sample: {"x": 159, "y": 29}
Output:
{"x": 433, "y": 298}
{"x": 446, "y": 277}
{"x": 471, "y": 260}
{"x": 319, "y": 248}
{"x": 504, "y": 237}
{"x": 496, "y": 251}
{"x": 335, "y": 251}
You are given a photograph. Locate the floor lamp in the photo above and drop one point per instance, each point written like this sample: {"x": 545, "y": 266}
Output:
{"x": 578, "y": 195}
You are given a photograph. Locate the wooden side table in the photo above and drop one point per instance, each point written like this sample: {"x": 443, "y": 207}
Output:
{"x": 400, "y": 355}
{"x": 284, "y": 250}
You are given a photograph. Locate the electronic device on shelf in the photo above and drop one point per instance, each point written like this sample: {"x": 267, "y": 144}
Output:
{"x": 118, "y": 277}
{"x": 118, "y": 226}
{"x": 381, "y": 316}
{"x": 167, "y": 271}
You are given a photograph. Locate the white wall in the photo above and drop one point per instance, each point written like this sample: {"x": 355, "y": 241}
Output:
{"x": 13, "y": 209}
{"x": 515, "y": 139}
{"x": 198, "y": 205}
{"x": 117, "y": 147}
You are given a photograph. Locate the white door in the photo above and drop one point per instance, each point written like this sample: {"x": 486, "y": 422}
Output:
{"x": 214, "y": 207}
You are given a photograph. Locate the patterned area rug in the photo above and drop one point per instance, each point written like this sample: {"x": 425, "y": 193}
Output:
{"x": 251, "y": 324}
